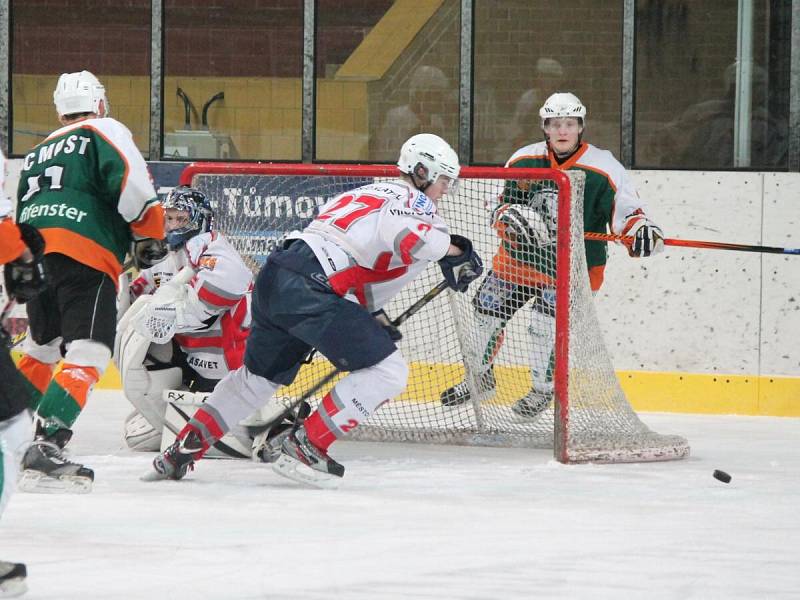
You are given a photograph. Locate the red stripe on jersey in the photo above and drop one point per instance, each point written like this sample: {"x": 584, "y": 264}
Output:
{"x": 187, "y": 341}
{"x": 234, "y": 335}
{"x": 138, "y": 286}
{"x": 210, "y": 297}
{"x": 406, "y": 245}
{"x": 356, "y": 278}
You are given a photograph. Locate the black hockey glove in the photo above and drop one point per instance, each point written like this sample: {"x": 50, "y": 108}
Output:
{"x": 459, "y": 271}
{"x": 383, "y": 319}
{"x": 147, "y": 252}
{"x": 25, "y": 280}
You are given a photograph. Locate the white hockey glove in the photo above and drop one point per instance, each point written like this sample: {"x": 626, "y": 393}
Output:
{"x": 522, "y": 225}
{"x": 647, "y": 237}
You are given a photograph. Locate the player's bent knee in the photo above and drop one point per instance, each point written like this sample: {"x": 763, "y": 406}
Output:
{"x": 48, "y": 354}
{"x": 244, "y": 385}
{"x": 88, "y": 353}
{"x": 393, "y": 372}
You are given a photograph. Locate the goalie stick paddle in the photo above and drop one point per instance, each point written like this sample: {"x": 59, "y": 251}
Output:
{"x": 625, "y": 239}
{"x": 401, "y": 318}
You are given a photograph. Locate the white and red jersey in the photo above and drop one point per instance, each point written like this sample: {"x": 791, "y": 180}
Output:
{"x": 223, "y": 286}
{"x": 375, "y": 239}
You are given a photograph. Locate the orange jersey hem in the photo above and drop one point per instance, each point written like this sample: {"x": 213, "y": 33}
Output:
{"x": 82, "y": 249}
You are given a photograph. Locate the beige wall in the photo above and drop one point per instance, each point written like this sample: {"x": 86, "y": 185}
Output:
{"x": 262, "y": 115}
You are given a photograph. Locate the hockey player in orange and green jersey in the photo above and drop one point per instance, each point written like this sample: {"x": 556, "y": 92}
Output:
{"x": 524, "y": 267}
{"x": 87, "y": 189}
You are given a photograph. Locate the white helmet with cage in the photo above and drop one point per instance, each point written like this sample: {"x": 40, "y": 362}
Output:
{"x": 563, "y": 104}
{"x": 427, "y": 157}
{"x": 80, "y": 92}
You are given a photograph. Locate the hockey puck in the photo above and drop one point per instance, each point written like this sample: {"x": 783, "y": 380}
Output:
{"x": 722, "y": 476}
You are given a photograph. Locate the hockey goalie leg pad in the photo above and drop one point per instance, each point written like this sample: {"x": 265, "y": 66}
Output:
{"x": 143, "y": 387}
{"x": 140, "y": 435}
{"x": 483, "y": 342}
{"x": 542, "y": 332}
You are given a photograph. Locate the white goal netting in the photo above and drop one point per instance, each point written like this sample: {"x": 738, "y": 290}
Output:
{"x": 502, "y": 329}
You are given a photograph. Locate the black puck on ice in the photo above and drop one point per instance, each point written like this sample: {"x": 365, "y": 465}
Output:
{"x": 722, "y": 476}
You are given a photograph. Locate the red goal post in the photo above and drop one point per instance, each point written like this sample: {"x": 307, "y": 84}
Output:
{"x": 590, "y": 419}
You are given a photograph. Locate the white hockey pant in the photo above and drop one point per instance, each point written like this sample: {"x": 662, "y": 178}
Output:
{"x": 240, "y": 393}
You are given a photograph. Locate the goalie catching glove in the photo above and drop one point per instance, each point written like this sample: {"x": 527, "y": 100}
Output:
{"x": 523, "y": 225}
{"x": 647, "y": 237}
{"x": 26, "y": 279}
{"x": 174, "y": 308}
{"x": 461, "y": 270}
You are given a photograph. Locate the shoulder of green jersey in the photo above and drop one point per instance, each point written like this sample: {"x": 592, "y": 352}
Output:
{"x": 603, "y": 161}
{"x": 538, "y": 149}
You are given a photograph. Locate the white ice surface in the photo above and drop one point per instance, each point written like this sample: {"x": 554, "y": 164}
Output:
{"x": 424, "y": 522}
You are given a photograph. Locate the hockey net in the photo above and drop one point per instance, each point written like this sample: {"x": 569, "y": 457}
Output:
{"x": 590, "y": 420}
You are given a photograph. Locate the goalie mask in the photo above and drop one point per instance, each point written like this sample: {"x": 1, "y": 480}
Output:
{"x": 78, "y": 93}
{"x": 197, "y": 217}
{"x": 426, "y": 157}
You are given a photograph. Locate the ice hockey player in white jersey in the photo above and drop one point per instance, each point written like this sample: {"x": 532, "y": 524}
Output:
{"x": 523, "y": 269}
{"x": 201, "y": 326}
{"x": 320, "y": 291}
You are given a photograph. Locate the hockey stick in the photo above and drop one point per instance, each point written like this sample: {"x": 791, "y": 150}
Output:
{"x": 302, "y": 402}
{"x": 626, "y": 239}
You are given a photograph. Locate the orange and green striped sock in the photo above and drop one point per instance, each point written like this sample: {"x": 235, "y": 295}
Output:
{"x": 66, "y": 396}
{"x": 37, "y": 377}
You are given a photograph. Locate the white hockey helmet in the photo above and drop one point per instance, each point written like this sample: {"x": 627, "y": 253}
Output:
{"x": 562, "y": 104}
{"x": 428, "y": 156}
{"x": 80, "y": 92}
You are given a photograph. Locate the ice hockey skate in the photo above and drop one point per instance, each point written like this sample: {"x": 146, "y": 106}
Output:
{"x": 302, "y": 461}
{"x": 267, "y": 444}
{"x": 175, "y": 461}
{"x": 45, "y": 468}
{"x": 12, "y": 579}
{"x": 532, "y": 404}
{"x": 460, "y": 393}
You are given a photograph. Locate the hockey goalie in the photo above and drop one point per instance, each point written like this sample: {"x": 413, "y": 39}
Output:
{"x": 183, "y": 325}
